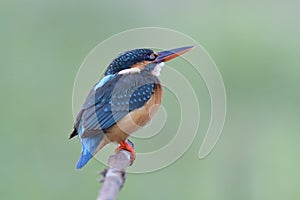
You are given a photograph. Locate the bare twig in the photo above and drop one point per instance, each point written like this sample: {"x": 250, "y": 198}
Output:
{"x": 114, "y": 176}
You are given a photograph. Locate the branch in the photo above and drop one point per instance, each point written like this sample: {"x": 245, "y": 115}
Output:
{"x": 114, "y": 175}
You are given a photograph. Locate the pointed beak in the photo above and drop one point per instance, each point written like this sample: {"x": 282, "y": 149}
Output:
{"x": 164, "y": 56}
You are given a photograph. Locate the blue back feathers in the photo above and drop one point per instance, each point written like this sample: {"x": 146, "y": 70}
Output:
{"x": 103, "y": 81}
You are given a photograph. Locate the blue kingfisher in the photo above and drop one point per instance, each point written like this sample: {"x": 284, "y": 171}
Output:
{"x": 124, "y": 100}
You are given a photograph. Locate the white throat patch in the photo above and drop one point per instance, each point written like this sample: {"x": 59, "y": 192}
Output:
{"x": 157, "y": 68}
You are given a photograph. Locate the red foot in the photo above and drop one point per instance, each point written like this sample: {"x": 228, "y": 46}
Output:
{"x": 126, "y": 146}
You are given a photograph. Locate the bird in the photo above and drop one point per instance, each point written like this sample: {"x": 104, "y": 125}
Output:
{"x": 123, "y": 101}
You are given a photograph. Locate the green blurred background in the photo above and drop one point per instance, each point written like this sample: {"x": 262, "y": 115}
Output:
{"x": 254, "y": 43}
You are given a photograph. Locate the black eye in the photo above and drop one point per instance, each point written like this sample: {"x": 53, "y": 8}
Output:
{"x": 152, "y": 56}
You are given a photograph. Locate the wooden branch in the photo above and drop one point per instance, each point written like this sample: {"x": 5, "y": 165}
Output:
{"x": 114, "y": 175}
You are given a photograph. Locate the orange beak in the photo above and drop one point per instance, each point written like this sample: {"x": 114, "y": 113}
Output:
{"x": 164, "y": 56}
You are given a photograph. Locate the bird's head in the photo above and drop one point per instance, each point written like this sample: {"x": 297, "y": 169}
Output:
{"x": 143, "y": 60}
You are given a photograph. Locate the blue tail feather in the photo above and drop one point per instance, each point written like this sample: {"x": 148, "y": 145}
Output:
{"x": 84, "y": 158}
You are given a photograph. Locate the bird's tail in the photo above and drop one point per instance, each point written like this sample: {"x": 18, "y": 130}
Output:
{"x": 84, "y": 158}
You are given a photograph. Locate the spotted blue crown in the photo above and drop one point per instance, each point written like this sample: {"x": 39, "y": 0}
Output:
{"x": 127, "y": 59}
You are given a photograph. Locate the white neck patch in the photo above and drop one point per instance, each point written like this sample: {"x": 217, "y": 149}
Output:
{"x": 157, "y": 68}
{"x": 130, "y": 71}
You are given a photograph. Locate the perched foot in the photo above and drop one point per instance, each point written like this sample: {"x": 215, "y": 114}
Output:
{"x": 128, "y": 146}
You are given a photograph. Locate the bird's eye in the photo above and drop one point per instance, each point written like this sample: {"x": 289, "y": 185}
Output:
{"x": 152, "y": 56}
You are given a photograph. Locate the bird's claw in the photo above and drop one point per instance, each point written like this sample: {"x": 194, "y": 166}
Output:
{"x": 128, "y": 146}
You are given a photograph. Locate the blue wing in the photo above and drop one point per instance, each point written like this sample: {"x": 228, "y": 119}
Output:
{"x": 107, "y": 103}
{"x": 116, "y": 98}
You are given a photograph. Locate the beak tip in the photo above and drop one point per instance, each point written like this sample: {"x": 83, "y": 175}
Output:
{"x": 173, "y": 53}
{"x": 188, "y": 48}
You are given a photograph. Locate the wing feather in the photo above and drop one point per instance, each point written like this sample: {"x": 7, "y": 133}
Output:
{"x": 109, "y": 103}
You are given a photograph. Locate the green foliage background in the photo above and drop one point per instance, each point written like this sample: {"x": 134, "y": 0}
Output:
{"x": 254, "y": 43}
